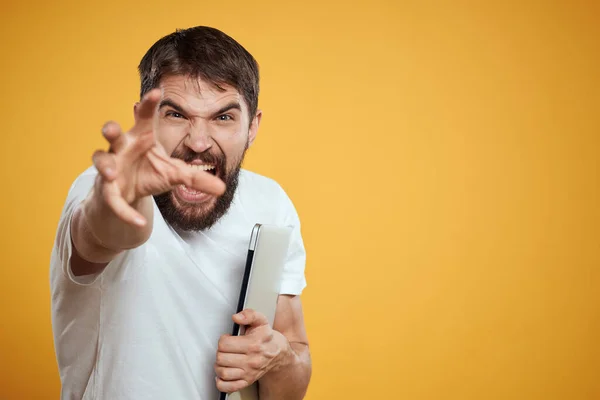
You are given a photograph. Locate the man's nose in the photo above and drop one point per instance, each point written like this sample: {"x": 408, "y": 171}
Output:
{"x": 198, "y": 138}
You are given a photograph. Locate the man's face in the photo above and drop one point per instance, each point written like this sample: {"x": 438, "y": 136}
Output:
{"x": 208, "y": 127}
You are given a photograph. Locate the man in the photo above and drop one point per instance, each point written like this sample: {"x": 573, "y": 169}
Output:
{"x": 151, "y": 244}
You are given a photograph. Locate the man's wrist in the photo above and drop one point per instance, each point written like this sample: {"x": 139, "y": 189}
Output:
{"x": 286, "y": 355}
{"x": 108, "y": 230}
{"x": 93, "y": 214}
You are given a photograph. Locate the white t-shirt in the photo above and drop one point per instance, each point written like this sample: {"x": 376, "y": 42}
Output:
{"x": 147, "y": 327}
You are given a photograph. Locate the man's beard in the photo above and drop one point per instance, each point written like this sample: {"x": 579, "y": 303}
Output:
{"x": 199, "y": 217}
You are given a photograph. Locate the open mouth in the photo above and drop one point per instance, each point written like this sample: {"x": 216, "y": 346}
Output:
{"x": 189, "y": 195}
{"x": 210, "y": 168}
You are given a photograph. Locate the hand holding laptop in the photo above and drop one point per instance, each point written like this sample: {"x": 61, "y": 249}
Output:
{"x": 242, "y": 360}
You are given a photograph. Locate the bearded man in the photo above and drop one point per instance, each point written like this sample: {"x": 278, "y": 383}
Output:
{"x": 151, "y": 244}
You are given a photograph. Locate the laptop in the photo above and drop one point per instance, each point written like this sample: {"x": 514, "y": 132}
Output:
{"x": 267, "y": 253}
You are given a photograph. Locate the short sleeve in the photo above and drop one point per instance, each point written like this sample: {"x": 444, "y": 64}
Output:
{"x": 293, "y": 277}
{"x": 63, "y": 245}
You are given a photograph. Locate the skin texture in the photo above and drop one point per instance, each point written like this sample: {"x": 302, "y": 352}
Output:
{"x": 188, "y": 115}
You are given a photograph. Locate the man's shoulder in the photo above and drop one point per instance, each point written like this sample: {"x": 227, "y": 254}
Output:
{"x": 263, "y": 195}
{"x": 255, "y": 183}
{"x": 84, "y": 179}
{"x": 79, "y": 186}
{"x": 89, "y": 172}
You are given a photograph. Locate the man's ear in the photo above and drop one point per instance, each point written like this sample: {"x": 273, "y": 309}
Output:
{"x": 253, "y": 131}
{"x": 135, "y": 109}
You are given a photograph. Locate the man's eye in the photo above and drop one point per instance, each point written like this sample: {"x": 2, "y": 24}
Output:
{"x": 174, "y": 114}
{"x": 224, "y": 117}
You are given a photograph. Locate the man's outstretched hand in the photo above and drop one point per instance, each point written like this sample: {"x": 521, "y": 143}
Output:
{"x": 137, "y": 166}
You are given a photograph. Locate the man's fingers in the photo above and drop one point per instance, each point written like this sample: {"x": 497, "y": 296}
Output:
{"x": 251, "y": 318}
{"x": 229, "y": 374}
{"x": 196, "y": 179}
{"x": 120, "y": 207}
{"x": 235, "y": 345}
{"x": 148, "y": 104}
{"x": 113, "y": 135}
{"x": 105, "y": 164}
{"x": 145, "y": 112}
{"x": 230, "y": 386}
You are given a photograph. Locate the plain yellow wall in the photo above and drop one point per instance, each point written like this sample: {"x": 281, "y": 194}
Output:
{"x": 443, "y": 156}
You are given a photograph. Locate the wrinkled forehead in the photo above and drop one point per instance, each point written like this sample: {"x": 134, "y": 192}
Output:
{"x": 199, "y": 94}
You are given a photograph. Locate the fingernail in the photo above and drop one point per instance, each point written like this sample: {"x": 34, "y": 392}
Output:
{"x": 109, "y": 171}
{"x": 139, "y": 221}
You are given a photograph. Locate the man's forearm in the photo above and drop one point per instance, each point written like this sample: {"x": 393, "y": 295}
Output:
{"x": 98, "y": 234}
{"x": 289, "y": 380}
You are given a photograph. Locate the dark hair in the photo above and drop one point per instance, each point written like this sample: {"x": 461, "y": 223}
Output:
{"x": 206, "y": 53}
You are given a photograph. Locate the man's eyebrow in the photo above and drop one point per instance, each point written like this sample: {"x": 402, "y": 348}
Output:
{"x": 172, "y": 104}
{"x": 234, "y": 105}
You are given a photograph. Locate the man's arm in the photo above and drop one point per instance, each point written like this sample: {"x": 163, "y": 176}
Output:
{"x": 290, "y": 377}
{"x": 117, "y": 214}
{"x": 98, "y": 233}
{"x": 278, "y": 358}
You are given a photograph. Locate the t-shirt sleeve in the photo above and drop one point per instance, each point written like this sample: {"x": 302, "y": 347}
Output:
{"x": 63, "y": 246}
{"x": 293, "y": 277}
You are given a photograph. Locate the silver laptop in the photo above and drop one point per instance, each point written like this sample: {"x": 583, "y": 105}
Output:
{"x": 267, "y": 253}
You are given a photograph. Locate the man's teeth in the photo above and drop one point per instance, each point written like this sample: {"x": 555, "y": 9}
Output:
{"x": 189, "y": 190}
{"x": 202, "y": 167}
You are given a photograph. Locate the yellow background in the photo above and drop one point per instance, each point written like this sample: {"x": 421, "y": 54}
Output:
{"x": 443, "y": 157}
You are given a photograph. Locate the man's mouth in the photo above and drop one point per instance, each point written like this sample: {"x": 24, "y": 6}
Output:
{"x": 189, "y": 195}
{"x": 210, "y": 168}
